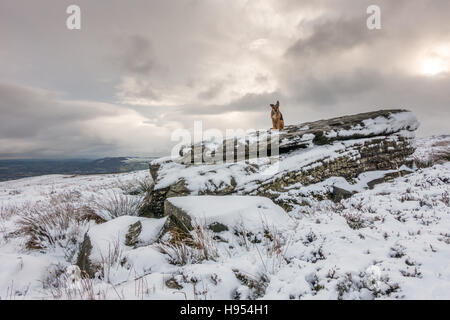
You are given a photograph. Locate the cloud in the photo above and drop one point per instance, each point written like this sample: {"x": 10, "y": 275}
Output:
{"x": 211, "y": 92}
{"x": 137, "y": 57}
{"x": 248, "y": 103}
{"x": 366, "y": 90}
{"x": 37, "y": 122}
{"x": 140, "y": 69}
{"x": 331, "y": 36}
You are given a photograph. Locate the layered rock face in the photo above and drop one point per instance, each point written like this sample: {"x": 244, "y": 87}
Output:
{"x": 285, "y": 165}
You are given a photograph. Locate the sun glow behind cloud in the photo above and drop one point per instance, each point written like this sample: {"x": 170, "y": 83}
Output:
{"x": 433, "y": 66}
{"x": 436, "y": 62}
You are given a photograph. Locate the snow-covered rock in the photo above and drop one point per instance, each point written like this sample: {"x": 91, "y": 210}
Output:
{"x": 300, "y": 136}
{"x": 111, "y": 240}
{"x": 309, "y": 153}
{"x": 222, "y": 213}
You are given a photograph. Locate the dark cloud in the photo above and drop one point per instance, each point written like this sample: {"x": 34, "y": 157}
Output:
{"x": 211, "y": 92}
{"x": 137, "y": 57}
{"x": 327, "y": 91}
{"x": 331, "y": 36}
{"x": 248, "y": 103}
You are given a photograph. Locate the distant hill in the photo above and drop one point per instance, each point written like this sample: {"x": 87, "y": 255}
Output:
{"x": 22, "y": 168}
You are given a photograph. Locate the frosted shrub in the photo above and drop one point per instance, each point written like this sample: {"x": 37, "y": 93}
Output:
{"x": 368, "y": 284}
{"x": 372, "y": 278}
{"x": 354, "y": 220}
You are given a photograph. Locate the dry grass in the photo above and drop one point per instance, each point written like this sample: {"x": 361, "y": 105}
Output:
{"x": 145, "y": 185}
{"x": 83, "y": 290}
{"x": 112, "y": 260}
{"x": 6, "y": 213}
{"x": 139, "y": 186}
{"x": 190, "y": 248}
{"x": 439, "y": 153}
{"x": 275, "y": 248}
{"x": 57, "y": 223}
{"x": 117, "y": 205}
{"x": 13, "y": 293}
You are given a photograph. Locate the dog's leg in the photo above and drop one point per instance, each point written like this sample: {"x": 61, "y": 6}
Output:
{"x": 278, "y": 122}
{"x": 274, "y": 124}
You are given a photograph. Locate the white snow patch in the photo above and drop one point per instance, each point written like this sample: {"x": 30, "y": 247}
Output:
{"x": 251, "y": 211}
{"x": 106, "y": 235}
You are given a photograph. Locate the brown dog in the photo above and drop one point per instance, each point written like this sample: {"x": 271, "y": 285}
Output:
{"x": 277, "y": 117}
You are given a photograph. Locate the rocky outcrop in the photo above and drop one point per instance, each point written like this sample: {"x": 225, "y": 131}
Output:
{"x": 294, "y": 137}
{"x": 308, "y": 154}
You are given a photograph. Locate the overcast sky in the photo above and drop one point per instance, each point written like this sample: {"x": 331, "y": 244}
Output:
{"x": 137, "y": 70}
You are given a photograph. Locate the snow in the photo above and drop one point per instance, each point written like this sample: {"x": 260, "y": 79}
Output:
{"x": 21, "y": 274}
{"x": 251, "y": 211}
{"x": 390, "y": 242}
{"x": 396, "y": 122}
{"x": 199, "y": 178}
{"x": 358, "y": 185}
{"x": 430, "y": 147}
{"x": 38, "y": 189}
{"x": 106, "y": 235}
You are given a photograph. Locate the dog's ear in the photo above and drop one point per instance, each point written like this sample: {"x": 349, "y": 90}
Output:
{"x": 272, "y": 105}
{"x": 278, "y": 103}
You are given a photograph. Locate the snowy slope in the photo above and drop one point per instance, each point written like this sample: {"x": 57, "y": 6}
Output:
{"x": 391, "y": 242}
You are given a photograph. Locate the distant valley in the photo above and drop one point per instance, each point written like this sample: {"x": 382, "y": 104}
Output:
{"x": 22, "y": 168}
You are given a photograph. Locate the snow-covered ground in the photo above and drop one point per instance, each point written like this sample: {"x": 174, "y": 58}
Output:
{"x": 391, "y": 242}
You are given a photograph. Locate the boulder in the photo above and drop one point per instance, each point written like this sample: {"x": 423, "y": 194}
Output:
{"x": 339, "y": 193}
{"x": 309, "y": 153}
{"x": 226, "y": 213}
{"x": 115, "y": 238}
